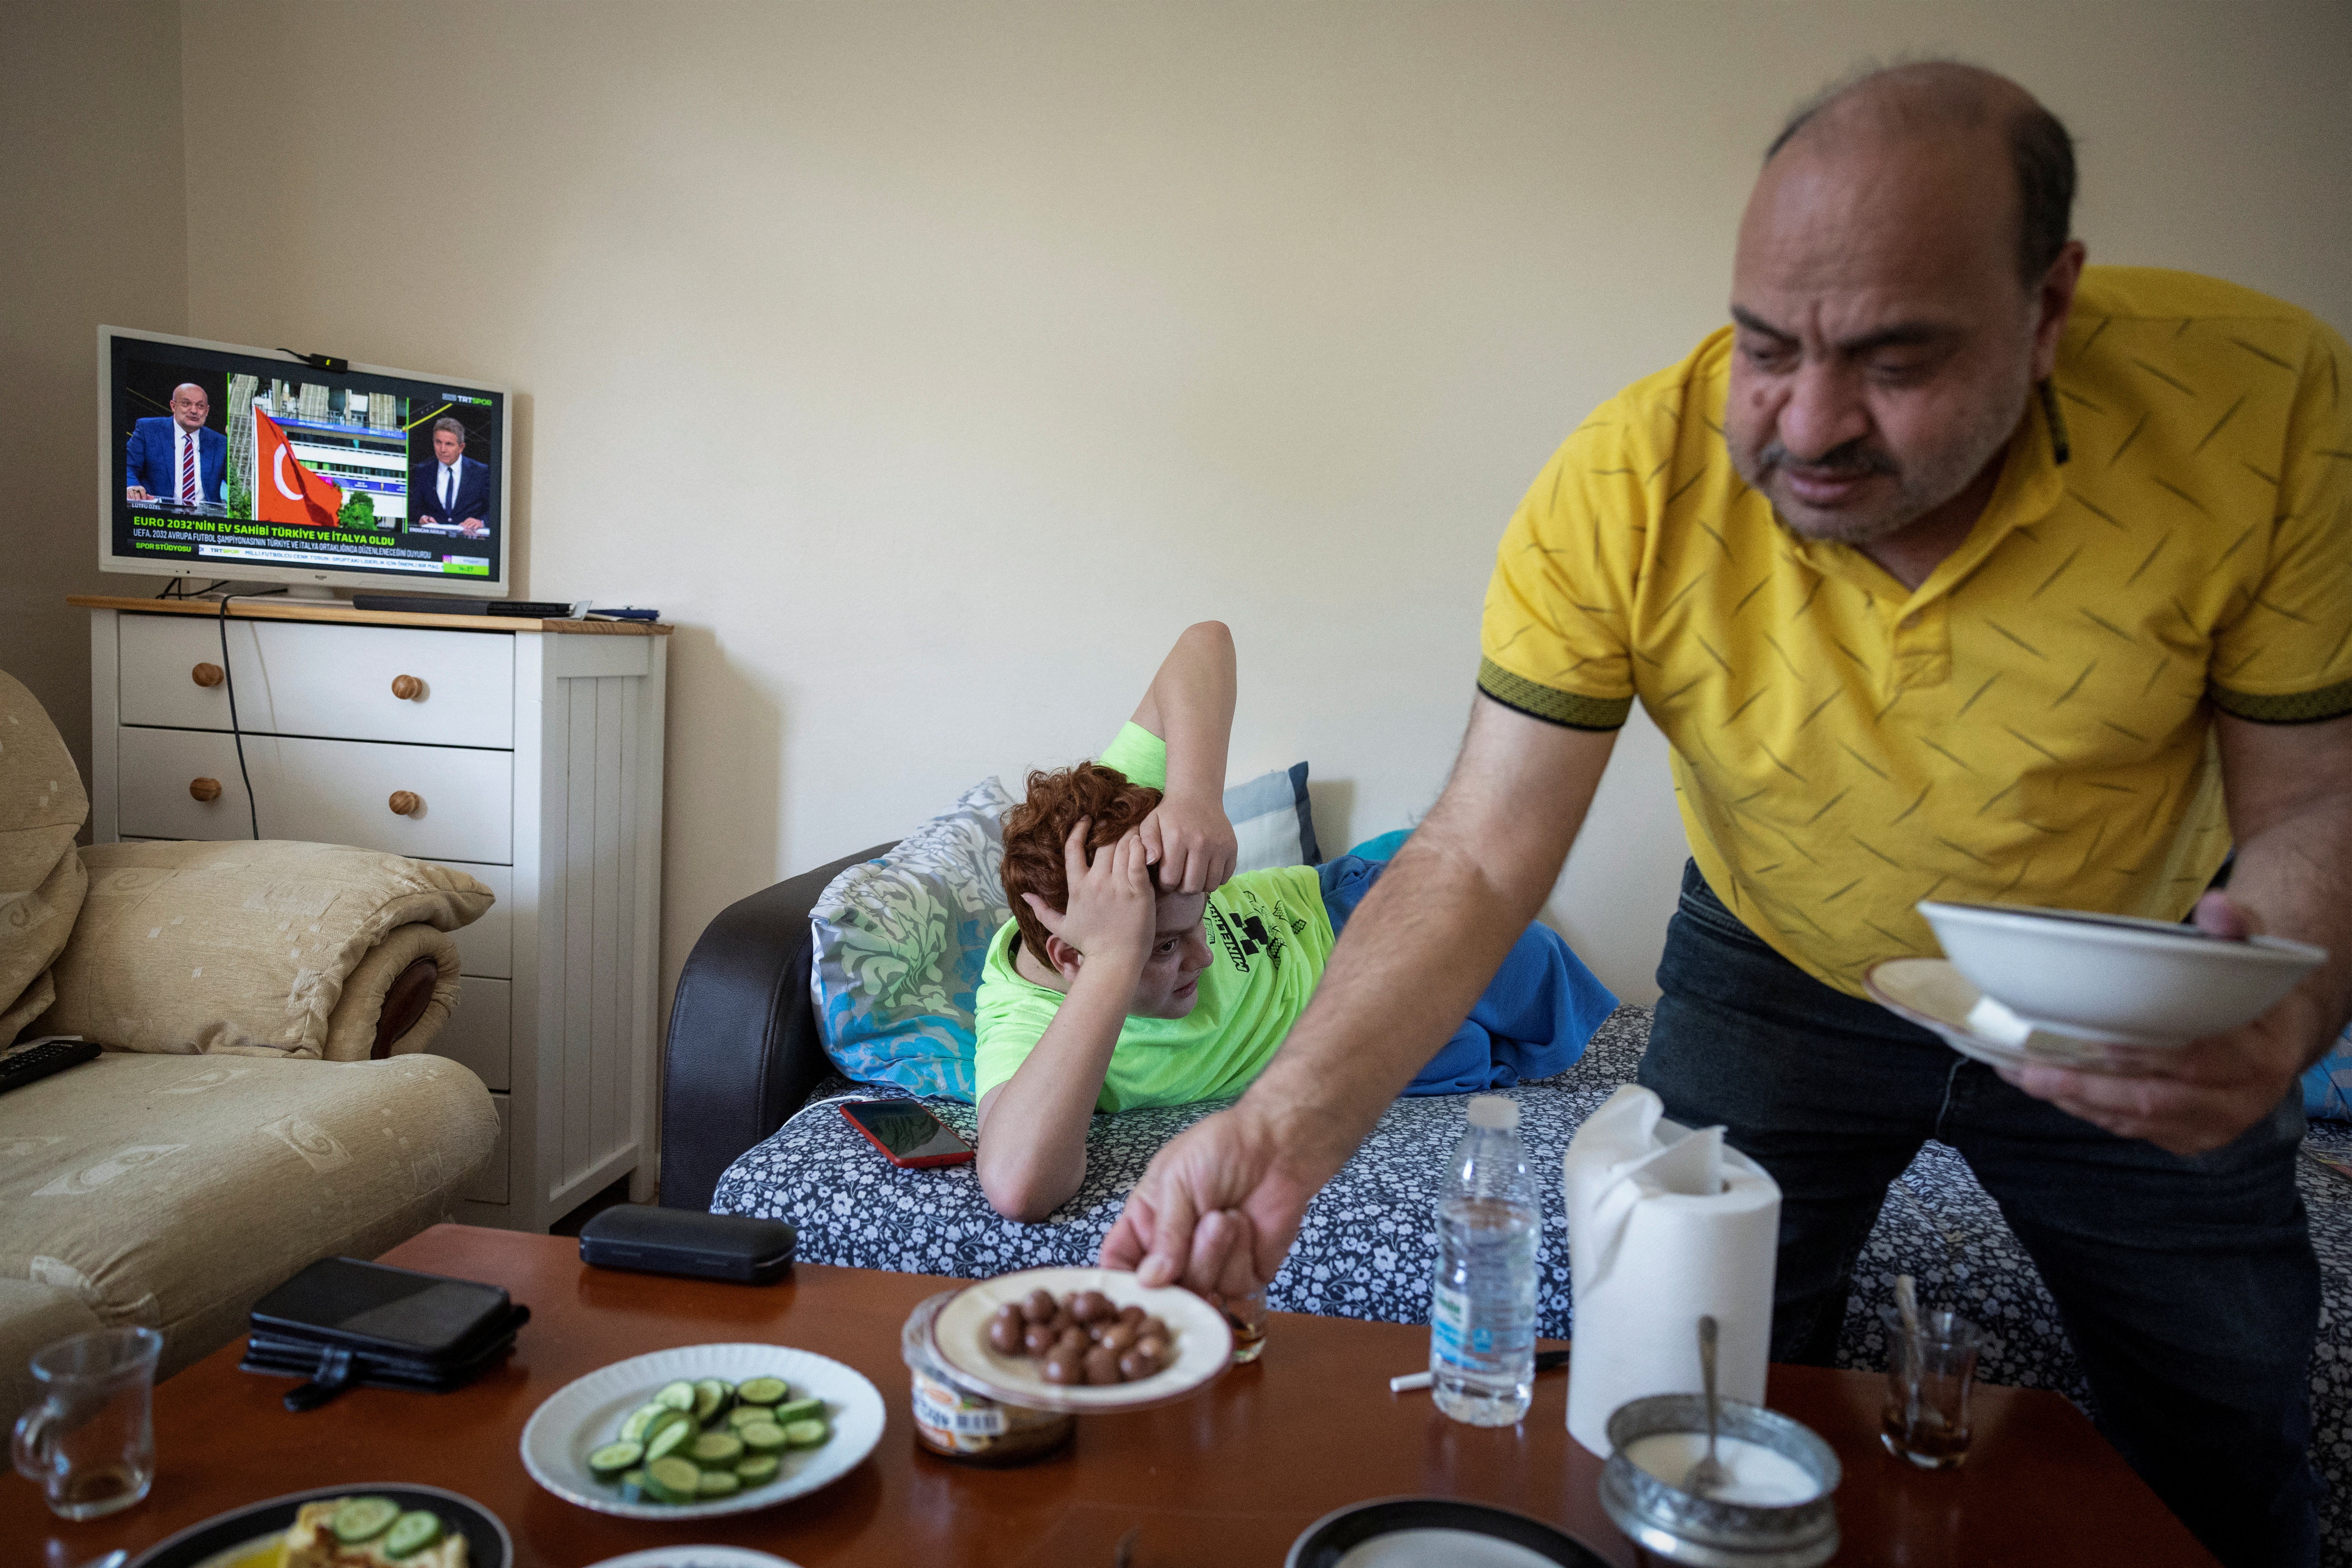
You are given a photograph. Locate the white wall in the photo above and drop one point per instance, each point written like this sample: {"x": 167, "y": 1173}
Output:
{"x": 931, "y": 364}
{"x": 95, "y": 229}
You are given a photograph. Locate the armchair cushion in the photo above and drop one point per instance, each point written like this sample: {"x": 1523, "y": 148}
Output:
{"x": 41, "y": 881}
{"x": 353, "y": 1028}
{"x": 243, "y": 949}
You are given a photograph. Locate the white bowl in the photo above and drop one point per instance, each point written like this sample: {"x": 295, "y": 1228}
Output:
{"x": 2114, "y": 979}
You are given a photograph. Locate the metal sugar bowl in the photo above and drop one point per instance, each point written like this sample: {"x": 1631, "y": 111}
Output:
{"x": 1677, "y": 1526}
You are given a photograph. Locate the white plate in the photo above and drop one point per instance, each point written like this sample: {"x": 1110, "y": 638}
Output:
{"x": 696, "y": 1557}
{"x": 586, "y": 1414}
{"x": 1930, "y": 992}
{"x": 1203, "y": 1342}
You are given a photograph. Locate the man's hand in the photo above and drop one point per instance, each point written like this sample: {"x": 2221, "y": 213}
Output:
{"x": 1112, "y": 904}
{"x": 138, "y": 492}
{"x": 2203, "y": 1096}
{"x": 1191, "y": 842}
{"x": 474, "y": 528}
{"x": 1218, "y": 1207}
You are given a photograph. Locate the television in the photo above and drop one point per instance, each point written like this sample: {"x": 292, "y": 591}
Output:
{"x": 219, "y": 461}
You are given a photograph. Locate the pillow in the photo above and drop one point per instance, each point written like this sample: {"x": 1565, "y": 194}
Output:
{"x": 1274, "y": 821}
{"x": 237, "y": 948}
{"x": 41, "y": 879}
{"x": 2328, "y": 1082}
{"x": 899, "y": 944}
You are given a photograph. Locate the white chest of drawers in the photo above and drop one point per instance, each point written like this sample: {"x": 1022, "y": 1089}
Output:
{"x": 526, "y": 756}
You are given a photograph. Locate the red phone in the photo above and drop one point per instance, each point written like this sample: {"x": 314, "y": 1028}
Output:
{"x": 906, "y": 1133}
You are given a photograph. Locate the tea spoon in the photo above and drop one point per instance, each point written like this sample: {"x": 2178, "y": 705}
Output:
{"x": 1708, "y": 1475}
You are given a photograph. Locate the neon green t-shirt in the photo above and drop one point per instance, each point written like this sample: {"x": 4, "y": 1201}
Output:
{"x": 1269, "y": 938}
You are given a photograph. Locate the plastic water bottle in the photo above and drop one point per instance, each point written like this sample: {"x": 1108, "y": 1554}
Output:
{"x": 1482, "y": 1308}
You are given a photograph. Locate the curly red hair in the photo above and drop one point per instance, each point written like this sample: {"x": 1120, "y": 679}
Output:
{"x": 1036, "y": 829}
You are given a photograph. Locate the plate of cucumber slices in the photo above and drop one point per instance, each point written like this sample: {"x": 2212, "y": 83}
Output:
{"x": 702, "y": 1430}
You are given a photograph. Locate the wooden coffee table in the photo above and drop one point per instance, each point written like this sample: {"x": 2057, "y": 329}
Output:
{"x": 1231, "y": 1476}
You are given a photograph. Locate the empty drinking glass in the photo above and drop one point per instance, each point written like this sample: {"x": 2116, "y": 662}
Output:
{"x": 89, "y": 1444}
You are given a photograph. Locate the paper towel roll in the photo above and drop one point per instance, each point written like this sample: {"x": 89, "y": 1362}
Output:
{"x": 1664, "y": 1225}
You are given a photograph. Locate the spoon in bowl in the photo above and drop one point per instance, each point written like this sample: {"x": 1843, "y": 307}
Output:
{"x": 1708, "y": 1476}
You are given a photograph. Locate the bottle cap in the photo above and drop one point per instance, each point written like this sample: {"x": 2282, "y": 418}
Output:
{"x": 1499, "y": 1111}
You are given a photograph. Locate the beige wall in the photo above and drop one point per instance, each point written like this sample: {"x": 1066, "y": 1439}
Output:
{"x": 96, "y": 229}
{"x": 932, "y": 364}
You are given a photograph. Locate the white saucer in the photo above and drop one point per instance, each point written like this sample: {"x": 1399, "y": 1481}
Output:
{"x": 1203, "y": 1343}
{"x": 1930, "y": 992}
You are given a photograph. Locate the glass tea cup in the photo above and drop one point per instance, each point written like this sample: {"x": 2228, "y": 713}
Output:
{"x": 90, "y": 1443}
{"x": 1928, "y": 1374}
{"x": 1245, "y": 1315}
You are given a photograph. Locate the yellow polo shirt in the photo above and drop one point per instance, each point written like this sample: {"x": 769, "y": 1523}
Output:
{"x": 2172, "y": 532}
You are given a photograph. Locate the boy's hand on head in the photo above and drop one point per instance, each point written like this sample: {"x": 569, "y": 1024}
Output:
{"x": 1191, "y": 842}
{"x": 1113, "y": 905}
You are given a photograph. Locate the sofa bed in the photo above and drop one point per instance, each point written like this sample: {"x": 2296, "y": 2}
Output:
{"x": 750, "y": 1126}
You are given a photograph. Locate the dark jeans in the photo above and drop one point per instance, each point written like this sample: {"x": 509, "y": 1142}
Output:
{"x": 2187, "y": 1284}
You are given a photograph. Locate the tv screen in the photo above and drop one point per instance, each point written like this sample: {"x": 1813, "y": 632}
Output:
{"x": 223, "y": 462}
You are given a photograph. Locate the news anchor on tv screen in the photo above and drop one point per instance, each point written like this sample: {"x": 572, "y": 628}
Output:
{"x": 180, "y": 458}
{"x": 454, "y": 488}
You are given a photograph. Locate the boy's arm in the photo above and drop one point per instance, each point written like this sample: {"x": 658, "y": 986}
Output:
{"x": 1033, "y": 1126}
{"x": 1189, "y": 705}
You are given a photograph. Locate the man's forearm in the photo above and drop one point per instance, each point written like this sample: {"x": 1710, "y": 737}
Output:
{"x": 2295, "y": 877}
{"x": 1429, "y": 936}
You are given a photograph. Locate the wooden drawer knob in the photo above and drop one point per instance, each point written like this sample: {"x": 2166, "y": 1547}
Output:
{"x": 405, "y": 803}
{"x": 407, "y": 688}
{"x": 203, "y": 789}
{"x": 207, "y": 675}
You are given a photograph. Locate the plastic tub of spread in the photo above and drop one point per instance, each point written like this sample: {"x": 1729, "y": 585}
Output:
{"x": 956, "y": 1421}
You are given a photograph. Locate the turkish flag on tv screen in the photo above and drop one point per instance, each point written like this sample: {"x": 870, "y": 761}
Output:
{"x": 286, "y": 491}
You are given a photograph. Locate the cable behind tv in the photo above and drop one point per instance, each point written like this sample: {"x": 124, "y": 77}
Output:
{"x": 228, "y": 678}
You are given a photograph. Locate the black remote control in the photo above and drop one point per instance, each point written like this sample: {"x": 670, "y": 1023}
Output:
{"x": 38, "y": 1061}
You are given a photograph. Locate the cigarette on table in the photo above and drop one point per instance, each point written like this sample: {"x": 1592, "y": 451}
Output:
{"x": 1545, "y": 1362}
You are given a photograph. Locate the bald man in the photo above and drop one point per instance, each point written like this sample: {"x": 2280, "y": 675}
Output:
{"x": 1950, "y": 570}
{"x": 180, "y": 458}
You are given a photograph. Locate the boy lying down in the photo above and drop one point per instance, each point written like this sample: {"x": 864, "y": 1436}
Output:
{"x": 1134, "y": 973}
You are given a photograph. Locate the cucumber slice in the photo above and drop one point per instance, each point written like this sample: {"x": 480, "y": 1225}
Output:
{"x": 754, "y": 1469}
{"x": 715, "y": 1448}
{"x": 806, "y": 1434}
{"x": 710, "y": 1396}
{"x": 762, "y": 1390}
{"x": 673, "y": 1479}
{"x": 763, "y": 1436}
{"x": 614, "y": 1457}
{"x": 719, "y": 1483}
{"x": 411, "y": 1533}
{"x": 798, "y": 1410}
{"x": 633, "y": 1430}
{"x": 633, "y": 1485}
{"x": 742, "y": 1415}
{"x": 364, "y": 1518}
{"x": 678, "y": 1396}
{"x": 665, "y": 1438}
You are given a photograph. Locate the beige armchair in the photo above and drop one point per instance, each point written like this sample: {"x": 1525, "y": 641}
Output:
{"x": 146, "y": 1187}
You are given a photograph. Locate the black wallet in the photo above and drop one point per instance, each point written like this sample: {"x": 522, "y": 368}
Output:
{"x": 687, "y": 1241}
{"x": 343, "y": 1321}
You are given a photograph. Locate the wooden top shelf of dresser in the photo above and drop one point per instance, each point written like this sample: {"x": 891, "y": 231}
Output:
{"x": 277, "y": 609}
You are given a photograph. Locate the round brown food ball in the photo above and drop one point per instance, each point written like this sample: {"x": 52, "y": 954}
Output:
{"x": 1038, "y": 1306}
{"x": 1151, "y": 1326}
{"x": 1073, "y": 1342}
{"x": 1038, "y": 1339}
{"x": 1064, "y": 1369}
{"x": 1091, "y": 1306}
{"x": 1136, "y": 1363}
{"x": 1153, "y": 1346}
{"x": 1102, "y": 1366}
{"x": 1005, "y": 1333}
{"x": 1119, "y": 1336}
{"x": 1131, "y": 1314}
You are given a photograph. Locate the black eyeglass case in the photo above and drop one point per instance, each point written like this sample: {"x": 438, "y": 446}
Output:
{"x": 343, "y": 1321}
{"x": 687, "y": 1242}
